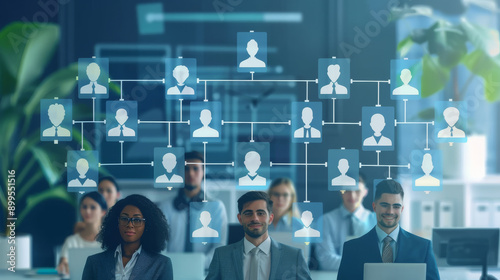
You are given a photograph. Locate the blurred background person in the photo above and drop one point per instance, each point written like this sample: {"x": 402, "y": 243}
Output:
{"x": 93, "y": 208}
{"x": 283, "y": 194}
{"x": 350, "y": 220}
{"x": 176, "y": 209}
{"x": 109, "y": 190}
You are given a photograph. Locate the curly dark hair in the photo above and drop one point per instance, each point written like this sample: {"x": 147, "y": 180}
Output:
{"x": 155, "y": 234}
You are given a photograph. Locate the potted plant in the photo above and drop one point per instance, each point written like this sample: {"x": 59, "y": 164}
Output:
{"x": 448, "y": 46}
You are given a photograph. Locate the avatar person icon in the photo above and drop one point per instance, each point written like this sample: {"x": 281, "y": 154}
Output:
{"x": 451, "y": 115}
{"x": 82, "y": 166}
{"x": 205, "y": 230}
{"x": 56, "y": 116}
{"x": 343, "y": 179}
{"x": 205, "y": 130}
{"x": 427, "y": 180}
{"x": 169, "y": 162}
{"x": 121, "y": 130}
{"x": 252, "y": 163}
{"x": 405, "y": 89}
{"x": 377, "y": 123}
{"x": 306, "y": 231}
{"x": 252, "y": 61}
{"x": 333, "y": 87}
{"x": 307, "y": 131}
{"x": 180, "y": 73}
{"x": 93, "y": 72}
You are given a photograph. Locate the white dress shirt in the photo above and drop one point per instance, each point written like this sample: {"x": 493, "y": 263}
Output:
{"x": 123, "y": 273}
{"x": 263, "y": 258}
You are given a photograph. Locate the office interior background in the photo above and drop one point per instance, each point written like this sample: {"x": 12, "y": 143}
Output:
{"x": 358, "y": 30}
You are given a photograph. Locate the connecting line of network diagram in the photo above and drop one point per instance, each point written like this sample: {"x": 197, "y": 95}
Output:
{"x": 252, "y": 123}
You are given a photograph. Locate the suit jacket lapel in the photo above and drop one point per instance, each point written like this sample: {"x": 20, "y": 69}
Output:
{"x": 109, "y": 264}
{"x": 373, "y": 246}
{"x": 142, "y": 263}
{"x": 275, "y": 258}
{"x": 238, "y": 252}
{"x": 401, "y": 245}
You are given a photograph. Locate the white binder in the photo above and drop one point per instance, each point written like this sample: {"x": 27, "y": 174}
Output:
{"x": 481, "y": 214}
{"x": 446, "y": 214}
{"x": 427, "y": 222}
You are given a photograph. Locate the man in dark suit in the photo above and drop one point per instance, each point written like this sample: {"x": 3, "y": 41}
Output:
{"x": 387, "y": 242}
{"x": 257, "y": 257}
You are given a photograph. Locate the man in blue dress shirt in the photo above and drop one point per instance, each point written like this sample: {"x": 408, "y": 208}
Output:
{"x": 176, "y": 210}
{"x": 387, "y": 242}
{"x": 349, "y": 220}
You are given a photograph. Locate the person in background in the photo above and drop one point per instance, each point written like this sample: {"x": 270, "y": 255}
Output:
{"x": 93, "y": 207}
{"x": 109, "y": 189}
{"x": 133, "y": 234}
{"x": 283, "y": 195}
{"x": 348, "y": 221}
{"x": 176, "y": 209}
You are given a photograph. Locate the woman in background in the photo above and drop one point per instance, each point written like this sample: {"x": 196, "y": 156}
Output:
{"x": 283, "y": 195}
{"x": 134, "y": 233}
{"x": 109, "y": 189}
{"x": 92, "y": 208}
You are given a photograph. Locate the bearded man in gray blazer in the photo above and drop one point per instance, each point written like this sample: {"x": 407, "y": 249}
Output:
{"x": 257, "y": 256}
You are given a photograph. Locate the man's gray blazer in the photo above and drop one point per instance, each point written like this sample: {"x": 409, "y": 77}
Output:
{"x": 286, "y": 263}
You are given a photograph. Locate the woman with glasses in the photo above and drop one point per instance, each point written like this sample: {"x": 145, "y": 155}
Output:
{"x": 133, "y": 234}
{"x": 283, "y": 195}
{"x": 92, "y": 208}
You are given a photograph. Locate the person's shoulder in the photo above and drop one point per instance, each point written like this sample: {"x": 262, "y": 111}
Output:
{"x": 415, "y": 239}
{"x": 331, "y": 217}
{"x": 73, "y": 239}
{"x": 286, "y": 249}
{"x": 158, "y": 257}
{"x": 356, "y": 242}
{"x": 219, "y": 202}
{"x": 101, "y": 256}
{"x": 230, "y": 247}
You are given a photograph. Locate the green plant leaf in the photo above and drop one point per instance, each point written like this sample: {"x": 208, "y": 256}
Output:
{"x": 405, "y": 11}
{"x": 114, "y": 87}
{"x": 448, "y": 42}
{"x": 58, "y": 84}
{"x": 426, "y": 115}
{"x": 32, "y": 201}
{"x": 404, "y": 46}
{"x": 45, "y": 162}
{"x": 481, "y": 37}
{"x": 12, "y": 43}
{"x": 481, "y": 64}
{"x": 9, "y": 120}
{"x": 434, "y": 76}
{"x": 37, "y": 53}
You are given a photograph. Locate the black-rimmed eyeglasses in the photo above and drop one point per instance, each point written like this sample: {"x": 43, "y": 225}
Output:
{"x": 136, "y": 222}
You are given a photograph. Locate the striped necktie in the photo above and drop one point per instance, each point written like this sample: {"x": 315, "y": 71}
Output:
{"x": 387, "y": 254}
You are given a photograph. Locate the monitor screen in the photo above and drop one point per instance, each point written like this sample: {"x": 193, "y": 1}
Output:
{"x": 465, "y": 245}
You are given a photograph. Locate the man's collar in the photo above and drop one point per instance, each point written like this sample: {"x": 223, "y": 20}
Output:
{"x": 264, "y": 246}
{"x": 358, "y": 213}
{"x": 381, "y": 234}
